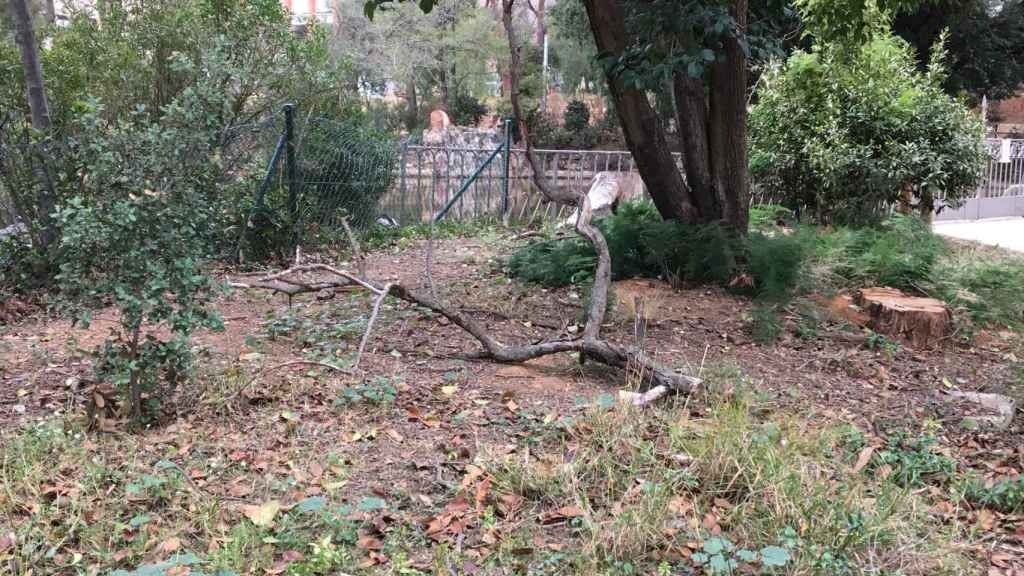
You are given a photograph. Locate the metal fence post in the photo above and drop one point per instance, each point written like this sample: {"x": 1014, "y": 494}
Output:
{"x": 402, "y": 189}
{"x": 506, "y": 165}
{"x": 290, "y": 171}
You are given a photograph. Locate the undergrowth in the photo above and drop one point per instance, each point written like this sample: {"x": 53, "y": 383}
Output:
{"x": 773, "y": 264}
{"x": 730, "y": 492}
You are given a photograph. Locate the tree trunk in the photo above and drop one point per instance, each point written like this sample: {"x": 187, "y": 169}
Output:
{"x": 542, "y": 29}
{"x": 644, "y": 133}
{"x": 49, "y": 11}
{"x": 26, "y": 40}
{"x": 728, "y": 134}
{"x": 692, "y": 125}
{"x": 46, "y": 203}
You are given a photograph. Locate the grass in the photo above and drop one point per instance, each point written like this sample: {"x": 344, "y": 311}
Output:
{"x": 657, "y": 487}
{"x": 75, "y": 506}
{"x": 774, "y": 267}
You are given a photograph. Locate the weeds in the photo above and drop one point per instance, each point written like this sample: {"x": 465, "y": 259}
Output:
{"x": 913, "y": 462}
{"x": 737, "y": 493}
{"x": 1005, "y": 495}
{"x": 380, "y": 391}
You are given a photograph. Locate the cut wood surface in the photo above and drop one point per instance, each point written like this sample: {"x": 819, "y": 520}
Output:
{"x": 920, "y": 321}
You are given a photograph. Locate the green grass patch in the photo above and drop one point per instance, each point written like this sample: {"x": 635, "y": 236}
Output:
{"x": 730, "y": 492}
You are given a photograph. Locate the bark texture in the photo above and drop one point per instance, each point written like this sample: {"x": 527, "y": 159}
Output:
{"x": 711, "y": 121}
{"x": 923, "y": 322}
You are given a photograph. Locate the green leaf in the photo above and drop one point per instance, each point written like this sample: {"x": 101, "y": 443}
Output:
{"x": 371, "y": 503}
{"x": 747, "y": 555}
{"x": 716, "y": 545}
{"x": 187, "y": 559}
{"x": 774, "y": 556}
{"x": 311, "y": 504}
{"x": 139, "y": 520}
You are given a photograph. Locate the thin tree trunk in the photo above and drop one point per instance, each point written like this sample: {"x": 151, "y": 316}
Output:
{"x": 542, "y": 29}
{"x": 644, "y": 134}
{"x": 728, "y": 126}
{"x": 26, "y": 40}
{"x": 413, "y": 100}
{"x": 46, "y": 203}
{"x": 549, "y": 193}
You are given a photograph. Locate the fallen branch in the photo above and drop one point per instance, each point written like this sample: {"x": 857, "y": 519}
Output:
{"x": 369, "y": 325}
{"x": 591, "y": 346}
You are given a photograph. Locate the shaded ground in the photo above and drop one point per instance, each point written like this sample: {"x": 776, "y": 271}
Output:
{"x": 402, "y": 440}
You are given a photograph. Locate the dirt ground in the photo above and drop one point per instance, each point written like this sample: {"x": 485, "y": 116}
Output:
{"x": 445, "y": 410}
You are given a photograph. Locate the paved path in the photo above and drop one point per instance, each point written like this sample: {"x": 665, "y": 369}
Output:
{"x": 1003, "y": 232}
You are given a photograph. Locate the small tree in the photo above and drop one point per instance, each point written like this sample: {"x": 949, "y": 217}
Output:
{"x": 848, "y": 133}
{"x": 136, "y": 237}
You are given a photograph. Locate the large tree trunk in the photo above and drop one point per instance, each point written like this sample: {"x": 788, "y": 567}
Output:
{"x": 713, "y": 137}
{"x": 728, "y": 122}
{"x": 644, "y": 134}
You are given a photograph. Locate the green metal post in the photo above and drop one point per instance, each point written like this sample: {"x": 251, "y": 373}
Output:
{"x": 506, "y": 165}
{"x": 290, "y": 171}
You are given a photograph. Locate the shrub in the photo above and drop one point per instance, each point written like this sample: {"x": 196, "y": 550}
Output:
{"x": 641, "y": 243}
{"x": 136, "y": 237}
{"x": 576, "y": 116}
{"x": 467, "y": 110}
{"x": 846, "y": 134}
{"x": 346, "y": 168}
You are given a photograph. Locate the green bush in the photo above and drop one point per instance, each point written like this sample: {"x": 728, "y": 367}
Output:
{"x": 346, "y": 168}
{"x": 576, "y": 116}
{"x": 641, "y": 243}
{"x": 136, "y": 236}
{"x": 846, "y": 134}
{"x": 467, "y": 110}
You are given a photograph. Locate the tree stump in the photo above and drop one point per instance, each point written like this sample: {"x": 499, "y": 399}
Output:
{"x": 920, "y": 321}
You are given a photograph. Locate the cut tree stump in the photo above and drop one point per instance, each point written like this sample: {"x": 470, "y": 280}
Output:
{"x": 921, "y": 321}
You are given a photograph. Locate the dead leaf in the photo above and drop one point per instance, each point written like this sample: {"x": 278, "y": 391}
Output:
{"x": 472, "y": 473}
{"x": 292, "y": 556}
{"x": 178, "y": 571}
{"x": 679, "y": 506}
{"x": 262, "y": 515}
{"x": 863, "y": 458}
{"x": 986, "y": 519}
{"x": 238, "y": 489}
{"x": 369, "y": 543}
{"x": 170, "y": 545}
{"x": 481, "y": 493}
{"x": 394, "y": 434}
{"x": 7, "y": 541}
{"x": 509, "y": 504}
{"x": 562, "y": 514}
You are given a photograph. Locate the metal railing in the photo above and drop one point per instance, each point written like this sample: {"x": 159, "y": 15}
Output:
{"x": 430, "y": 178}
